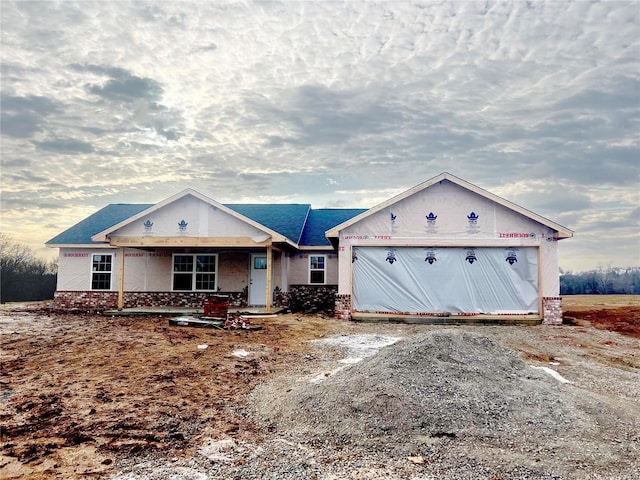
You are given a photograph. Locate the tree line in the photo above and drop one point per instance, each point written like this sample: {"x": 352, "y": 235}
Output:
{"x": 23, "y": 276}
{"x": 603, "y": 281}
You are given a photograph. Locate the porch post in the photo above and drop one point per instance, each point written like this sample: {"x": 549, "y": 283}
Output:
{"x": 269, "y": 262}
{"x": 121, "y": 280}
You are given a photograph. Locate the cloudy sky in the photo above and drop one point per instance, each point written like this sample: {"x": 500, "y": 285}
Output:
{"x": 329, "y": 103}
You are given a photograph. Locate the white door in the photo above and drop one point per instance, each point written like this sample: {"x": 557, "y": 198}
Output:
{"x": 258, "y": 280}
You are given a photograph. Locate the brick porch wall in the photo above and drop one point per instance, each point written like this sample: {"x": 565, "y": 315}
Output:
{"x": 86, "y": 301}
{"x": 552, "y": 310}
{"x": 97, "y": 301}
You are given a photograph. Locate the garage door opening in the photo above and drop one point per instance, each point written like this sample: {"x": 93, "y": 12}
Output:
{"x": 445, "y": 280}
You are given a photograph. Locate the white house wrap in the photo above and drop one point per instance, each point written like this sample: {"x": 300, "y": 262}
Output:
{"x": 447, "y": 280}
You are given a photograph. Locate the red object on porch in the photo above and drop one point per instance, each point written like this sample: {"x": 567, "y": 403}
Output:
{"x": 216, "y": 306}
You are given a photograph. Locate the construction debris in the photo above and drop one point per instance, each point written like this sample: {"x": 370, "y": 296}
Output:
{"x": 232, "y": 322}
{"x": 240, "y": 323}
{"x": 196, "y": 322}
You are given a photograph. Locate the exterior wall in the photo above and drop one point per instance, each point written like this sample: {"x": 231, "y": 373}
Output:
{"x": 276, "y": 272}
{"x": 74, "y": 268}
{"x": 233, "y": 271}
{"x": 83, "y": 300}
{"x": 148, "y": 271}
{"x": 145, "y": 271}
{"x": 147, "y": 281}
{"x": 549, "y": 269}
{"x": 299, "y": 267}
{"x": 282, "y": 281}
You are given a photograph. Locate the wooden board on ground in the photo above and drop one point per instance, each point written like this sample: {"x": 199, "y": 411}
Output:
{"x": 209, "y": 322}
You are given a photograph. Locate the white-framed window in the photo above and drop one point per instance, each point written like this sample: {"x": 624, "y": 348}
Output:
{"x": 101, "y": 271}
{"x": 194, "y": 272}
{"x": 317, "y": 269}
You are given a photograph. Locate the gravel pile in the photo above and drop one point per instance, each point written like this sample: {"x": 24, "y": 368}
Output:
{"x": 440, "y": 384}
{"x": 444, "y": 404}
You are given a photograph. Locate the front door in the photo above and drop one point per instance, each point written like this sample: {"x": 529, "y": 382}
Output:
{"x": 258, "y": 280}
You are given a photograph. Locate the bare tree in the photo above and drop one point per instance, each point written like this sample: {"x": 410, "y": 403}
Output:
{"x": 23, "y": 276}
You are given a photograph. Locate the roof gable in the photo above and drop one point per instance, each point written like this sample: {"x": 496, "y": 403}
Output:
{"x": 102, "y": 235}
{"x": 563, "y": 232}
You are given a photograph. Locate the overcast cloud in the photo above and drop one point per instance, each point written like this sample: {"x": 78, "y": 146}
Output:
{"x": 329, "y": 103}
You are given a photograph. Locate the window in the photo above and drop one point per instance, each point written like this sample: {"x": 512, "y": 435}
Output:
{"x": 101, "y": 269}
{"x": 194, "y": 272}
{"x": 316, "y": 269}
{"x": 260, "y": 263}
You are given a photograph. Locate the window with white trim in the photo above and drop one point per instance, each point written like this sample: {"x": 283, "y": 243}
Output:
{"x": 101, "y": 270}
{"x": 194, "y": 272}
{"x": 317, "y": 268}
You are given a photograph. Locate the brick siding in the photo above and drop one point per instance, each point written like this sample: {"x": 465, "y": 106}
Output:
{"x": 343, "y": 307}
{"x": 98, "y": 301}
{"x": 552, "y": 310}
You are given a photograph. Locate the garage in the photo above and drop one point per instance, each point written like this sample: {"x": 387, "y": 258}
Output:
{"x": 448, "y": 248}
{"x": 454, "y": 281}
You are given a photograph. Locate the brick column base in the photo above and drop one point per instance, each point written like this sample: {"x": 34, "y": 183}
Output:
{"x": 216, "y": 306}
{"x": 552, "y": 310}
{"x": 343, "y": 307}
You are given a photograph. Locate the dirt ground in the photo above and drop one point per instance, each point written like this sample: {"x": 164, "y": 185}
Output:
{"x": 618, "y": 313}
{"x": 83, "y": 395}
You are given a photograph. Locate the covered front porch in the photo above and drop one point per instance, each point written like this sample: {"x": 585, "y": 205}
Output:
{"x": 186, "y": 274}
{"x": 177, "y": 254}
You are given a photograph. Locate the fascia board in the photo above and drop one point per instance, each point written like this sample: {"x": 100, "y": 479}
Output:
{"x": 78, "y": 245}
{"x": 323, "y": 247}
{"x": 287, "y": 242}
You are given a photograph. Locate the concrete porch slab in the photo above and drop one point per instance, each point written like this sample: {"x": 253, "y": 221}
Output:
{"x": 448, "y": 320}
{"x": 178, "y": 311}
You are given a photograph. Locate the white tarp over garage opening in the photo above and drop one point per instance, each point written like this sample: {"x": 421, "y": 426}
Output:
{"x": 487, "y": 280}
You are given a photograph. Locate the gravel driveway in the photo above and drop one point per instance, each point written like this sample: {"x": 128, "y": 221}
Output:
{"x": 440, "y": 402}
